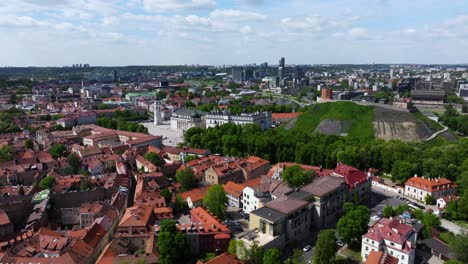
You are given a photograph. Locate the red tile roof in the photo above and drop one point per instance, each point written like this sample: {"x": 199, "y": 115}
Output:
{"x": 379, "y": 257}
{"x": 430, "y": 185}
{"x": 195, "y": 194}
{"x": 352, "y": 175}
{"x": 233, "y": 188}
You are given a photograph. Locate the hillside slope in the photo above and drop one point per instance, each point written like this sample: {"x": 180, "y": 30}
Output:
{"x": 365, "y": 122}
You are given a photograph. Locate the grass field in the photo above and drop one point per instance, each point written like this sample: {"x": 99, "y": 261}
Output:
{"x": 361, "y": 117}
{"x": 433, "y": 125}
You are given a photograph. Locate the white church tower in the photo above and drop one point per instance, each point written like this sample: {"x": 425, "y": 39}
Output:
{"x": 157, "y": 113}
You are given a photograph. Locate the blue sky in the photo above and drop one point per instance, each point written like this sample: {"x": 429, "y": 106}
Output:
{"x": 217, "y": 32}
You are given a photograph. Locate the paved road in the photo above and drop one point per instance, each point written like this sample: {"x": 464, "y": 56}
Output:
{"x": 452, "y": 227}
{"x": 434, "y": 135}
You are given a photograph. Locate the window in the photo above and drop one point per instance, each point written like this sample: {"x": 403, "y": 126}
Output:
{"x": 392, "y": 244}
{"x": 367, "y": 248}
{"x": 402, "y": 256}
{"x": 391, "y": 253}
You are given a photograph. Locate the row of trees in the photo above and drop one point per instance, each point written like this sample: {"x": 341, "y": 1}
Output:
{"x": 108, "y": 122}
{"x": 454, "y": 120}
{"x": 401, "y": 159}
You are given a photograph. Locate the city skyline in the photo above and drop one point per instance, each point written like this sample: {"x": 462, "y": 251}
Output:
{"x": 237, "y": 32}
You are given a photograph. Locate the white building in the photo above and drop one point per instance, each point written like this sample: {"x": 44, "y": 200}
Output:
{"x": 183, "y": 119}
{"x": 250, "y": 201}
{"x": 223, "y": 117}
{"x": 463, "y": 90}
{"x": 391, "y": 236}
{"x": 419, "y": 187}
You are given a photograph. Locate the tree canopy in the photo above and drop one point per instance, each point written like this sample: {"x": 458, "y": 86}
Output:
{"x": 154, "y": 158}
{"x": 6, "y": 153}
{"x": 216, "y": 200}
{"x": 272, "y": 256}
{"x": 354, "y": 223}
{"x": 186, "y": 178}
{"x": 295, "y": 176}
{"x": 57, "y": 150}
{"x": 74, "y": 163}
{"x": 326, "y": 247}
{"x": 172, "y": 244}
{"x": 47, "y": 182}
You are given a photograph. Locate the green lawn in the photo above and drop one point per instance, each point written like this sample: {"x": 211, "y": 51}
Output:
{"x": 446, "y": 236}
{"x": 361, "y": 116}
{"x": 461, "y": 223}
{"x": 356, "y": 255}
{"x": 433, "y": 125}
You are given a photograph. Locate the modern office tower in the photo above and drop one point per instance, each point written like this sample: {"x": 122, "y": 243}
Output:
{"x": 263, "y": 69}
{"x": 238, "y": 75}
{"x": 281, "y": 68}
{"x": 391, "y": 73}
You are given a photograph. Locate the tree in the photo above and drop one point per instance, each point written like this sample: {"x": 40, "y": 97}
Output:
{"x": 402, "y": 208}
{"x": 180, "y": 205}
{"x": 430, "y": 221}
{"x": 29, "y": 144}
{"x": 6, "y": 153}
{"x": 354, "y": 223}
{"x": 295, "y": 176}
{"x": 296, "y": 258}
{"x": 216, "y": 200}
{"x": 74, "y": 162}
{"x": 172, "y": 245}
{"x": 428, "y": 199}
{"x": 255, "y": 254}
{"x": 57, "y": 150}
{"x": 167, "y": 195}
{"x": 154, "y": 158}
{"x": 85, "y": 184}
{"x": 186, "y": 178}
{"x": 388, "y": 211}
{"x": 459, "y": 245}
{"x": 326, "y": 247}
{"x": 237, "y": 247}
{"x": 47, "y": 183}
{"x": 272, "y": 256}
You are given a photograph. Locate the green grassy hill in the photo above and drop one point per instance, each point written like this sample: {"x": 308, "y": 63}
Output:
{"x": 360, "y": 117}
{"x": 365, "y": 122}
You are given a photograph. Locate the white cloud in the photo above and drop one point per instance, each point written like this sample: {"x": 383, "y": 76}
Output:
{"x": 172, "y": 5}
{"x": 236, "y": 15}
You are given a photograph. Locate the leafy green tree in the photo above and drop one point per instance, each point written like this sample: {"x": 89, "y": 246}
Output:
{"x": 180, "y": 205}
{"x": 401, "y": 209}
{"x": 47, "y": 183}
{"x": 402, "y": 170}
{"x": 57, "y": 150}
{"x": 428, "y": 199}
{"x": 6, "y": 153}
{"x": 255, "y": 254}
{"x": 388, "y": 211}
{"x": 296, "y": 258}
{"x": 237, "y": 247}
{"x": 430, "y": 221}
{"x": 154, "y": 158}
{"x": 459, "y": 245}
{"x": 85, "y": 184}
{"x": 29, "y": 144}
{"x": 216, "y": 200}
{"x": 167, "y": 195}
{"x": 354, "y": 223}
{"x": 74, "y": 162}
{"x": 186, "y": 178}
{"x": 272, "y": 256}
{"x": 172, "y": 245}
{"x": 326, "y": 247}
{"x": 295, "y": 176}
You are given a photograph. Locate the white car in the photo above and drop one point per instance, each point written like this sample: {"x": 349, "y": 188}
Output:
{"x": 307, "y": 248}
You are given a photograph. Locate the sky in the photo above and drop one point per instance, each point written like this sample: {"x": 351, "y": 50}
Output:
{"x": 227, "y": 32}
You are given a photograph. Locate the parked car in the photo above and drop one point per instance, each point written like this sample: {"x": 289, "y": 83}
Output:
{"x": 307, "y": 248}
{"x": 340, "y": 243}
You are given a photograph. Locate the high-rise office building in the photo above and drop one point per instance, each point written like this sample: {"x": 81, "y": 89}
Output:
{"x": 116, "y": 75}
{"x": 391, "y": 73}
{"x": 238, "y": 75}
{"x": 281, "y": 68}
